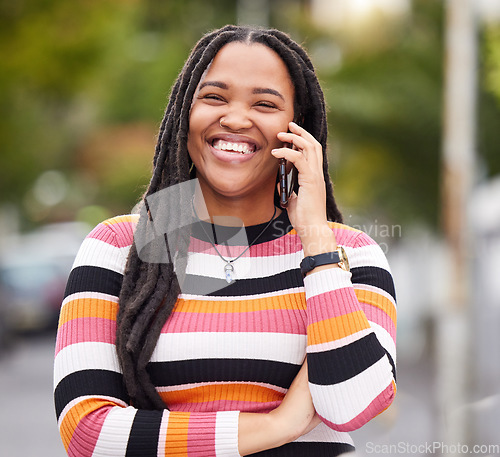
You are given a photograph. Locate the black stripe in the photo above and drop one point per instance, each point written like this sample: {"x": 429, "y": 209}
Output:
{"x": 88, "y": 382}
{"x": 226, "y": 235}
{"x": 307, "y": 449}
{"x": 144, "y": 435}
{"x": 224, "y": 370}
{"x": 374, "y": 276}
{"x": 93, "y": 279}
{"x": 391, "y": 361}
{"x": 341, "y": 364}
{"x": 201, "y": 285}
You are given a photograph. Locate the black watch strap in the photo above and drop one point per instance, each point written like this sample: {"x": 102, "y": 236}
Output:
{"x": 310, "y": 262}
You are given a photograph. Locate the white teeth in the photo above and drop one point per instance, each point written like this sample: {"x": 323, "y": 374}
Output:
{"x": 241, "y": 148}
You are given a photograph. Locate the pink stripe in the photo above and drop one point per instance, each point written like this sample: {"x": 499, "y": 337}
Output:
{"x": 378, "y": 316}
{"x": 86, "y": 329}
{"x": 287, "y": 245}
{"x": 225, "y": 405}
{"x": 119, "y": 234}
{"x": 201, "y": 435}
{"x": 377, "y": 406}
{"x": 279, "y": 321}
{"x": 332, "y": 304}
{"x": 87, "y": 432}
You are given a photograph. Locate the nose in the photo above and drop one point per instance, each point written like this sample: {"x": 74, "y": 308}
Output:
{"x": 236, "y": 119}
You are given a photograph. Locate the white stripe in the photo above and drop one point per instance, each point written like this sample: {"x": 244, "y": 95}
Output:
{"x": 115, "y": 432}
{"x": 85, "y": 356}
{"x": 342, "y": 402}
{"x": 335, "y": 344}
{"x": 226, "y": 434}
{"x": 323, "y": 433}
{"x": 162, "y": 435}
{"x": 212, "y": 266}
{"x": 97, "y": 253}
{"x": 324, "y": 281}
{"x": 277, "y": 293}
{"x": 289, "y": 348}
{"x": 365, "y": 256}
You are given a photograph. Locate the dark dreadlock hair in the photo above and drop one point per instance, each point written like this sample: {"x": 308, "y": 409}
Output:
{"x": 150, "y": 289}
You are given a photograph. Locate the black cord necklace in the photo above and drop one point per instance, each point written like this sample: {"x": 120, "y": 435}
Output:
{"x": 228, "y": 267}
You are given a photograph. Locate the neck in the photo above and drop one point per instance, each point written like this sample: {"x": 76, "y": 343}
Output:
{"x": 232, "y": 211}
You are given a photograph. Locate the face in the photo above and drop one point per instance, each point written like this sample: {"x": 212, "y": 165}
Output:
{"x": 248, "y": 89}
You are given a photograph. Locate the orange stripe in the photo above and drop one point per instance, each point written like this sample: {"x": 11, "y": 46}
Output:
{"x": 88, "y": 307}
{"x": 381, "y": 302}
{"x": 336, "y": 328}
{"x": 177, "y": 434}
{"x": 222, "y": 392}
{"x": 76, "y": 414}
{"x": 121, "y": 219}
{"x": 292, "y": 301}
{"x": 340, "y": 226}
{"x": 332, "y": 225}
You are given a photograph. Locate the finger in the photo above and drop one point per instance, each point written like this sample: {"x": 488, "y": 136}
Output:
{"x": 291, "y": 155}
{"x": 296, "y": 141}
{"x": 302, "y": 132}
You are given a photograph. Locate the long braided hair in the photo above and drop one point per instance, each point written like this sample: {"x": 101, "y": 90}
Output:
{"x": 150, "y": 289}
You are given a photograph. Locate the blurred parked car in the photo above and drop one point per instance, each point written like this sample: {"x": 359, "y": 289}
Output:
{"x": 34, "y": 269}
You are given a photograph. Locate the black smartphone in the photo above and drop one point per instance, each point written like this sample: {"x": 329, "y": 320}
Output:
{"x": 288, "y": 180}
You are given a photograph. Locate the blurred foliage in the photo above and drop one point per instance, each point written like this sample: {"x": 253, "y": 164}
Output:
{"x": 386, "y": 117}
{"x": 83, "y": 86}
{"x": 492, "y": 53}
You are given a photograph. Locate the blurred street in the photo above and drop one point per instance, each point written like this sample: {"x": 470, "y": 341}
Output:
{"x": 27, "y": 419}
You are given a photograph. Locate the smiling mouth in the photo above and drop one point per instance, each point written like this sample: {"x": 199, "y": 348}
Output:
{"x": 234, "y": 147}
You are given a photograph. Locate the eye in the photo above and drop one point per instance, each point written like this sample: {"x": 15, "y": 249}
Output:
{"x": 266, "y": 105}
{"x": 212, "y": 97}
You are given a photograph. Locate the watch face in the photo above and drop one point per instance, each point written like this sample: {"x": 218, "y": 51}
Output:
{"x": 344, "y": 263}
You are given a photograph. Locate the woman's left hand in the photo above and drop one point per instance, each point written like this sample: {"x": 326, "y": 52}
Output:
{"x": 307, "y": 210}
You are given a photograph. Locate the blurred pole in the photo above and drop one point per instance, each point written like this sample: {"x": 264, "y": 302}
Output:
{"x": 253, "y": 12}
{"x": 458, "y": 172}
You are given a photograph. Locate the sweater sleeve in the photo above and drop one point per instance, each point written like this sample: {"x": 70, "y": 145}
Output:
{"x": 94, "y": 417}
{"x": 351, "y": 336}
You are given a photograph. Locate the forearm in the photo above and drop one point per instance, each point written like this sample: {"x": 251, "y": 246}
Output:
{"x": 259, "y": 432}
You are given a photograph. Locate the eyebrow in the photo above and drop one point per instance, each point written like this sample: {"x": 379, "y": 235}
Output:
{"x": 257, "y": 90}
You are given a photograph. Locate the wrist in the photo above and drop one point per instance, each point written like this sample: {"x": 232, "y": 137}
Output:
{"x": 317, "y": 239}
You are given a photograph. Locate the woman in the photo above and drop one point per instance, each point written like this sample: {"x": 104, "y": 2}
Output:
{"x": 204, "y": 354}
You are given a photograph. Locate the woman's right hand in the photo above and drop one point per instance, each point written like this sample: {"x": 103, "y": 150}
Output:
{"x": 296, "y": 414}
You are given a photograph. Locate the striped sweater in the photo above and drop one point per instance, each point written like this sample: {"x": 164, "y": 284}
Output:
{"x": 235, "y": 349}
